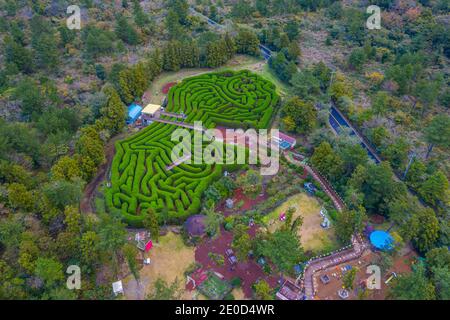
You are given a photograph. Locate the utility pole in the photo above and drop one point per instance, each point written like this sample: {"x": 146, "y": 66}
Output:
{"x": 411, "y": 156}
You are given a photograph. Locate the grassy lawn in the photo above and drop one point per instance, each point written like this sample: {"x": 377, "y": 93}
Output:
{"x": 169, "y": 259}
{"x": 312, "y": 236}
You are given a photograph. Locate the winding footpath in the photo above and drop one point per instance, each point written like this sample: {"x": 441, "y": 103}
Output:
{"x": 355, "y": 251}
{"x": 297, "y": 159}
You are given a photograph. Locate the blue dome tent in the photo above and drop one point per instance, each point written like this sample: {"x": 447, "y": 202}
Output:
{"x": 382, "y": 240}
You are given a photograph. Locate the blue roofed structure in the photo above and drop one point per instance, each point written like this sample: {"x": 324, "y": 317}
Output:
{"x": 134, "y": 112}
{"x": 382, "y": 240}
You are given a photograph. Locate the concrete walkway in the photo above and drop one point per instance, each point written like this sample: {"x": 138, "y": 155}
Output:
{"x": 354, "y": 252}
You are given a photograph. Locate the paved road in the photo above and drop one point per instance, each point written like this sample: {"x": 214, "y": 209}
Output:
{"x": 265, "y": 52}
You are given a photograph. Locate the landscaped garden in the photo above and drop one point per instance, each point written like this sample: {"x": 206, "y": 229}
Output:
{"x": 312, "y": 236}
{"x": 140, "y": 178}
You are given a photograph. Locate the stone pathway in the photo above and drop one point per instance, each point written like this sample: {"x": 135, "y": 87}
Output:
{"x": 357, "y": 249}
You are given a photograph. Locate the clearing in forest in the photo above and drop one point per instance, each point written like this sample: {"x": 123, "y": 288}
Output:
{"x": 139, "y": 175}
{"x": 312, "y": 236}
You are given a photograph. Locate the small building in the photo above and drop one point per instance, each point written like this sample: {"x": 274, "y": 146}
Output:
{"x": 195, "y": 226}
{"x": 134, "y": 112}
{"x": 150, "y": 112}
{"x": 290, "y": 291}
{"x": 381, "y": 240}
{"x": 285, "y": 142}
{"x": 117, "y": 287}
{"x": 325, "y": 279}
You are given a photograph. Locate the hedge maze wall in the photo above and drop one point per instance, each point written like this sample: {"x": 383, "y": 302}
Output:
{"x": 139, "y": 178}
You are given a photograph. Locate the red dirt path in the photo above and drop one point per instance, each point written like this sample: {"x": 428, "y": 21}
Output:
{"x": 248, "y": 271}
{"x": 86, "y": 204}
{"x": 239, "y": 196}
{"x": 165, "y": 89}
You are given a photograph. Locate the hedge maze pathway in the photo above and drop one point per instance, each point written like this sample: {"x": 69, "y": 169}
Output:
{"x": 142, "y": 172}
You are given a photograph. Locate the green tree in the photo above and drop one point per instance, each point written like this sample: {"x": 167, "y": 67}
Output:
{"x": 242, "y": 244}
{"x": 437, "y": 133}
{"x": 89, "y": 147}
{"x": 242, "y": 9}
{"x": 282, "y": 248}
{"x": 378, "y": 186}
{"x": 130, "y": 252}
{"x": 173, "y": 25}
{"x": 416, "y": 174}
{"x": 112, "y": 235}
{"x": 441, "y": 278}
{"x": 247, "y": 42}
{"x": 11, "y": 286}
{"x": 72, "y": 220}
{"x": 305, "y": 83}
{"x": 303, "y": 113}
{"x": 19, "y": 197}
{"x": 181, "y": 8}
{"x": 61, "y": 193}
{"x": 97, "y": 42}
{"x": 88, "y": 246}
{"x": 171, "y": 57}
{"x": 213, "y": 221}
{"x": 352, "y": 155}
{"x": 326, "y": 161}
{"x": 348, "y": 280}
{"x": 263, "y": 7}
{"x": 340, "y": 87}
{"x": 428, "y": 230}
{"x": 434, "y": 188}
{"x": 282, "y": 67}
{"x": 413, "y": 286}
{"x": 126, "y": 32}
{"x": 438, "y": 258}
{"x": 31, "y": 97}
{"x": 66, "y": 168}
{"x": 263, "y": 290}
{"x": 348, "y": 223}
{"x": 357, "y": 59}
{"x": 140, "y": 17}
{"x": 49, "y": 270}
{"x": 44, "y": 42}
{"x": 250, "y": 182}
{"x": 292, "y": 29}
{"x": 164, "y": 291}
{"x": 18, "y": 55}
{"x": 216, "y": 54}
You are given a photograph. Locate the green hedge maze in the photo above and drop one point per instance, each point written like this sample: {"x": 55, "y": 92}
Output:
{"x": 139, "y": 175}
